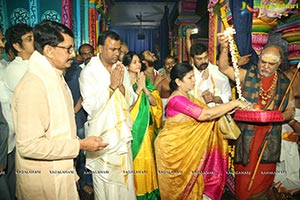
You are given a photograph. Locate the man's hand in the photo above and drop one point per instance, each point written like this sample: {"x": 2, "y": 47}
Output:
{"x": 208, "y": 96}
{"x": 92, "y": 143}
{"x": 116, "y": 77}
{"x": 158, "y": 79}
{"x": 223, "y": 40}
{"x": 188, "y": 33}
{"x": 295, "y": 125}
{"x": 243, "y": 60}
{"x": 217, "y": 100}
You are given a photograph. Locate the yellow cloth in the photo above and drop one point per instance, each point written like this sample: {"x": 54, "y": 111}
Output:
{"x": 145, "y": 176}
{"x": 181, "y": 145}
{"x": 290, "y": 136}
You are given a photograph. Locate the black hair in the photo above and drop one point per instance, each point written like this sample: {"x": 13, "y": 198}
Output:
{"x": 197, "y": 49}
{"x": 8, "y": 50}
{"x": 49, "y": 33}
{"x": 142, "y": 55}
{"x": 169, "y": 57}
{"x": 179, "y": 71}
{"x": 86, "y": 44}
{"x": 14, "y": 35}
{"x": 127, "y": 59}
{"x": 111, "y": 34}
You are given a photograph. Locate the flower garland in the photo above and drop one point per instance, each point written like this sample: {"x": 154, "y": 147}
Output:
{"x": 234, "y": 56}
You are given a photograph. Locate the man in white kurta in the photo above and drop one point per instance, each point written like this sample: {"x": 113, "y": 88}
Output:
{"x": 46, "y": 146}
{"x": 46, "y": 142}
{"x": 212, "y": 86}
{"x": 108, "y": 118}
{"x": 212, "y": 80}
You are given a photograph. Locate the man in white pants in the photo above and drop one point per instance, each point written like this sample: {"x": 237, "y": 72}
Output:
{"x": 107, "y": 95}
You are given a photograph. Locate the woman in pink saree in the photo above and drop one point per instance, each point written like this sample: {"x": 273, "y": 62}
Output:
{"x": 191, "y": 153}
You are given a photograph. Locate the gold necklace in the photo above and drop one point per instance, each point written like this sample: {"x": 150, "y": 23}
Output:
{"x": 267, "y": 94}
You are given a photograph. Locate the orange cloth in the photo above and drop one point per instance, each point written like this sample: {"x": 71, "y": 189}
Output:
{"x": 264, "y": 175}
{"x": 266, "y": 172}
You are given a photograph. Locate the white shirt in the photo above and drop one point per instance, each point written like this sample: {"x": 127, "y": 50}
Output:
{"x": 217, "y": 83}
{"x": 94, "y": 81}
{"x": 3, "y": 65}
{"x": 5, "y": 103}
{"x": 15, "y": 70}
{"x": 82, "y": 65}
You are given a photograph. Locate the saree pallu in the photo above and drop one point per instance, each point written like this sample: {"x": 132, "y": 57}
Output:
{"x": 146, "y": 119}
{"x": 182, "y": 146}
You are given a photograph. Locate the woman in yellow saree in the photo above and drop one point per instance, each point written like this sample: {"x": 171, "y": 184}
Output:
{"x": 191, "y": 153}
{"x": 146, "y": 117}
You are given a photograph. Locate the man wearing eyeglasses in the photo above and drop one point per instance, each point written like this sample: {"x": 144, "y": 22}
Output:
{"x": 43, "y": 112}
{"x": 264, "y": 86}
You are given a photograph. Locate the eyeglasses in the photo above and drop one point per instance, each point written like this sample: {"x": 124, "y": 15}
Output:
{"x": 70, "y": 49}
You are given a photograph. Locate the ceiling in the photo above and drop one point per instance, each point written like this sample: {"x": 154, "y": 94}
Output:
{"x": 131, "y": 14}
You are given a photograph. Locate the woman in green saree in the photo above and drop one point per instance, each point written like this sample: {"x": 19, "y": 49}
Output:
{"x": 146, "y": 116}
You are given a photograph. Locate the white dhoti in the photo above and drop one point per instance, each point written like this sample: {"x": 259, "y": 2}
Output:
{"x": 107, "y": 189}
{"x": 112, "y": 167}
{"x": 287, "y": 170}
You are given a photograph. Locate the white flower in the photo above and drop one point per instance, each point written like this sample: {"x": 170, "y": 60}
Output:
{"x": 229, "y": 32}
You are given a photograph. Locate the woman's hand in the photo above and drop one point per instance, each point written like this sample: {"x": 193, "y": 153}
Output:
{"x": 241, "y": 104}
{"x": 141, "y": 80}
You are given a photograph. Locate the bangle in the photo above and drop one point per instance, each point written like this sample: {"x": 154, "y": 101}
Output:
{"x": 112, "y": 88}
{"x": 148, "y": 95}
{"x": 291, "y": 122}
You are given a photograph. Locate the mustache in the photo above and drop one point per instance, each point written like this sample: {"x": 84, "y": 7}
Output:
{"x": 153, "y": 63}
{"x": 202, "y": 66}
